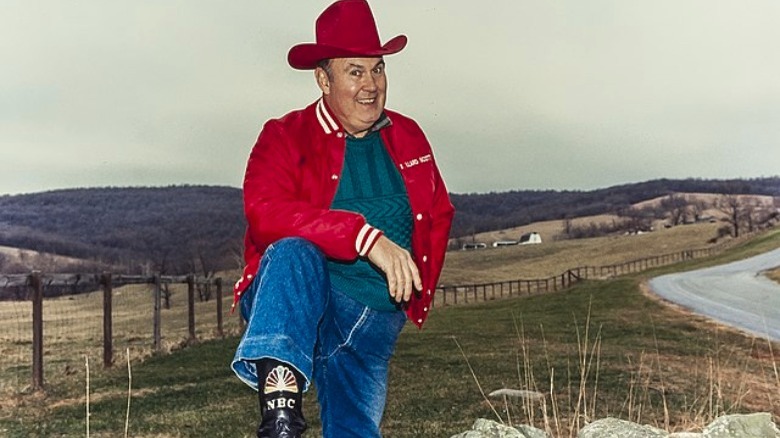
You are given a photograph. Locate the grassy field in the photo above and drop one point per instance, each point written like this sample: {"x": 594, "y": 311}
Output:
{"x": 601, "y": 348}
{"x": 554, "y": 257}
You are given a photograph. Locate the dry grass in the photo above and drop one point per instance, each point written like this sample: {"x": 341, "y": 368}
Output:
{"x": 773, "y": 274}
{"x": 672, "y": 390}
{"x": 554, "y": 257}
{"x": 41, "y": 261}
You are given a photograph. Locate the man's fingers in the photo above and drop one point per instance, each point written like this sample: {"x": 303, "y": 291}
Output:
{"x": 391, "y": 272}
{"x": 399, "y": 268}
{"x": 415, "y": 275}
{"x": 398, "y": 284}
{"x": 407, "y": 289}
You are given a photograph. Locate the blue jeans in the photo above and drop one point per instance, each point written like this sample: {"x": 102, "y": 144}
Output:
{"x": 294, "y": 315}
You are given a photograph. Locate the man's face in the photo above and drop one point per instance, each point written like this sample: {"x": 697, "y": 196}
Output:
{"x": 355, "y": 91}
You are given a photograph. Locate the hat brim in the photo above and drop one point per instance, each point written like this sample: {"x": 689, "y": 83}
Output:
{"x": 306, "y": 56}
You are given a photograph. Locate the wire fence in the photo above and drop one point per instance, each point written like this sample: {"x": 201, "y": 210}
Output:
{"x": 61, "y": 318}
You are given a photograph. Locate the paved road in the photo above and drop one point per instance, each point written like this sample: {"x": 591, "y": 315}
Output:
{"x": 735, "y": 294}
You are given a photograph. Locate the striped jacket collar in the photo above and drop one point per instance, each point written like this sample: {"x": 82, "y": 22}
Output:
{"x": 329, "y": 124}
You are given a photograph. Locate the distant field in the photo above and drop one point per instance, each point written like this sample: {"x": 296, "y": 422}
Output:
{"x": 26, "y": 257}
{"x": 710, "y": 199}
{"x": 554, "y": 257}
{"x": 552, "y": 230}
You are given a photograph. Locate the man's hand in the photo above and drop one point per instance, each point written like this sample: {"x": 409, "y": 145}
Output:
{"x": 399, "y": 268}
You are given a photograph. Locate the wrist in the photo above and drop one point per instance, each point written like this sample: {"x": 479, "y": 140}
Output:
{"x": 366, "y": 239}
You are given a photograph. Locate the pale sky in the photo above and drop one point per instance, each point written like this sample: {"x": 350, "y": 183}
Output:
{"x": 513, "y": 94}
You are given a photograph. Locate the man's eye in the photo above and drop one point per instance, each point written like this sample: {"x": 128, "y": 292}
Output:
{"x": 355, "y": 72}
{"x": 379, "y": 70}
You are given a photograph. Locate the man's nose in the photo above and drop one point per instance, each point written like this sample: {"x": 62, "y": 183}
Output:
{"x": 369, "y": 82}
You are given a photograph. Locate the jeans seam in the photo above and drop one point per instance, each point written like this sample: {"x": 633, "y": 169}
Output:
{"x": 325, "y": 397}
{"x": 358, "y": 324}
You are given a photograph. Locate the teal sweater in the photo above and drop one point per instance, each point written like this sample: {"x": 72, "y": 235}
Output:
{"x": 371, "y": 185}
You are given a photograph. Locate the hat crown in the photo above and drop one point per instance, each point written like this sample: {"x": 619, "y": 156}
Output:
{"x": 346, "y": 29}
{"x": 348, "y": 23}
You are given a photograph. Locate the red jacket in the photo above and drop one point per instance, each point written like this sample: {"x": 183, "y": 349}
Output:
{"x": 292, "y": 176}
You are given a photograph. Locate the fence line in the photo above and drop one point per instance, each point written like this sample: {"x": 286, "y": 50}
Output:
{"x": 461, "y": 294}
{"x": 37, "y": 283}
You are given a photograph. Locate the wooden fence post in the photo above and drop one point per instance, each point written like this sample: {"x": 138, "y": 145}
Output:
{"x": 156, "y": 315}
{"x": 220, "y": 330}
{"x": 108, "y": 346}
{"x": 191, "y": 309}
{"x": 37, "y": 328}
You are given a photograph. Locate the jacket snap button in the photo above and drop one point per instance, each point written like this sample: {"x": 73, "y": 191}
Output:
{"x": 419, "y": 216}
{"x": 425, "y": 258}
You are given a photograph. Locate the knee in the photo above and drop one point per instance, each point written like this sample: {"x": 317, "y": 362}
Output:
{"x": 296, "y": 248}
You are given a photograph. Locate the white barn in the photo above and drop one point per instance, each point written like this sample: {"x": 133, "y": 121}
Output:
{"x": 530, "y": 238}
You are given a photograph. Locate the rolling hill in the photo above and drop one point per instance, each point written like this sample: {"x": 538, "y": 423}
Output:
{"x": 166, "y": 229}
{"x": 180, "y": 229}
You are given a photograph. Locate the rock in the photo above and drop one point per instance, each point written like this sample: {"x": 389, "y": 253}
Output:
{"x": 728, "y": 426}
{"x": 469, "y": 434}
{"x": 743, "y": 426}
{"x": 518, "y": 393}
{"x": 490, "y": 429}
{"x": 613, "y": 427}
{"x": 531, "y": 432}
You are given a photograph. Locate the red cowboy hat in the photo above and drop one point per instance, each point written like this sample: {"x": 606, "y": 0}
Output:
{"x": 346, "y": 29}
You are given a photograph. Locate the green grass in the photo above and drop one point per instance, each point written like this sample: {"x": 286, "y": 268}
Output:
{"x": 642, "y": 356}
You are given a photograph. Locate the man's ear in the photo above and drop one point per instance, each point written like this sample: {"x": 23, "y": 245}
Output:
{"x": 321, "y": 76}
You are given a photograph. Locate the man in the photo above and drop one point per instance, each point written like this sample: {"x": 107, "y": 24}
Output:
{"x": 348, "y": 221}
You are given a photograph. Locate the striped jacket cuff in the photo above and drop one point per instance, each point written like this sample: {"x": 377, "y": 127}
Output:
{"x": 366, "y": 239}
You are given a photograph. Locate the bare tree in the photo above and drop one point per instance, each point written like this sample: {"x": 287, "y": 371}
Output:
{"x": 677, "y": 208}
{"x": 567, "y": 226}
{"x": 751, "y": 213}
{"x": 731, "y": 207}
{"x": 636, "y": 219}
{"x": 696, "y": 208}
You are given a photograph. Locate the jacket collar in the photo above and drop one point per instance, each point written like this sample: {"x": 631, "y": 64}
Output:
{"x": 329, "y": 124}
{"x": 327, "y": 121}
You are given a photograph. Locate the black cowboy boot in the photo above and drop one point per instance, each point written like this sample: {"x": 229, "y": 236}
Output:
{"x": 280, "y": 388}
